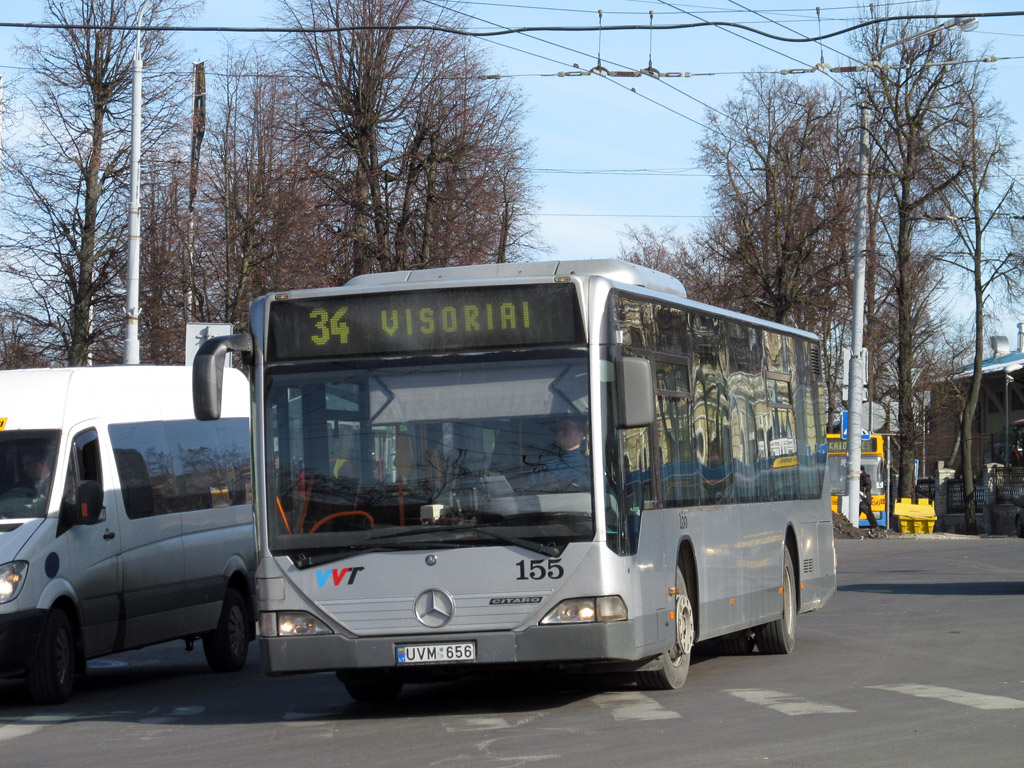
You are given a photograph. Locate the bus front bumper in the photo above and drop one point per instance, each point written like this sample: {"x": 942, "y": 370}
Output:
{"x": 534, "y": 646}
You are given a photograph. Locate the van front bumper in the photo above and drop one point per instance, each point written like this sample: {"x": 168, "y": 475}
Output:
{"x": 19, "y": 636}
{"x": 534, "y": 646}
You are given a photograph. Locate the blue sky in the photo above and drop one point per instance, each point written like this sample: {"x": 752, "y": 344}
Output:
{"x": 618, "y": 152}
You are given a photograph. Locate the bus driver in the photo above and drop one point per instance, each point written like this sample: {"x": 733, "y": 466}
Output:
{"x": 567, "y": 465}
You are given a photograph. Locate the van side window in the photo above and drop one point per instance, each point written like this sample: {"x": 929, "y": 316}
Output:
{"x": 85, "y": 457}
{"x": 83, "y": 463}
{"x": 87, "y": 449}
{"x": 181, "y": 466}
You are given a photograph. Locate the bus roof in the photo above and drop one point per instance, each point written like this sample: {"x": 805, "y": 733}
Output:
{"x": 615, "y": 270}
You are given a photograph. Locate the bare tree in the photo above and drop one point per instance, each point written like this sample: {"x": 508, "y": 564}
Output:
{"x": 259, "y": 226}
{"x": 408, "y": 138}
{"x": 67, "y": 246}
{"x": 18, "y": 349}
{"x": 662, "y": 250}
{"x": 917, "y": 106}
{"x": 977, "y": 199}
{"x": 778, "y": 246}
{"x": 782, "y": 195}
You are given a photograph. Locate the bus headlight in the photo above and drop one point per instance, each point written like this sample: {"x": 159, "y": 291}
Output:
{"x": 291, "y": 624}
{"x": 584, "y": 610}
{"x": 12, "y": 577}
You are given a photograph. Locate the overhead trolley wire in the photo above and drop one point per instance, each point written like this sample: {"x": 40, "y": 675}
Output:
{"x": 498, "y": 32}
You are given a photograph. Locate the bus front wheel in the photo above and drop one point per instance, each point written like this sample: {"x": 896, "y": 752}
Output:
{"x": 672, "y": 666}
{"x": 371, "y": 688}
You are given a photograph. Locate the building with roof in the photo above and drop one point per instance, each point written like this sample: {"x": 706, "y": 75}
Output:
{"x": 1001, "y": 402}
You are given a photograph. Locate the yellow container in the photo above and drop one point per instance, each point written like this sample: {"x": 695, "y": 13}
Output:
{"x": 915, "y": 518}
{"x": 915, "y": 525}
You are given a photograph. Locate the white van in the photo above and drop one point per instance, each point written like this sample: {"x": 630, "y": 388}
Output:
{"x": 123, "y": 521}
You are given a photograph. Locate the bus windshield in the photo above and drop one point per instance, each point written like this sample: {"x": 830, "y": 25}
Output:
{"x": 463, "y": 450}
{"x": 26, "y": 472}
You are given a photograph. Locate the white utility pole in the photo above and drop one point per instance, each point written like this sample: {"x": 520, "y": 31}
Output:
{"x": 858, "y": 376}
{"x": 131, "y": 301}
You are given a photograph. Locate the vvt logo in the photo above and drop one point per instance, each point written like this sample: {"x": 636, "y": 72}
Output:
{"x": 337, "y": 576}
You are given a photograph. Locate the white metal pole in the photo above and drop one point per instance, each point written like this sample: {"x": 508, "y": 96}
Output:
{"x": 856, "y": 385}
{"x": 1, "y": 128}
{"x": 857, "y": 373}
{"x": 1008, "y": 372}
{"x": 131, "y": 301}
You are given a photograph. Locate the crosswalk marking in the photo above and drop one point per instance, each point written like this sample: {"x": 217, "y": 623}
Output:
{"x": 954, "y": 696}
{"x": 786, "y": 704}
{"x": 31, "y": 725}
{"x": 633, "y": 705}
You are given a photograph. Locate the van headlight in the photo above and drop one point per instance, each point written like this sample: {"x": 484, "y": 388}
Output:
{"x": 12, "y": 577}
{"x": 584, "y": 610}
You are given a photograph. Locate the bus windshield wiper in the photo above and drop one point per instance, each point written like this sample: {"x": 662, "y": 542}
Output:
{"x": 304, "y": 558}
{"x": 534, "y": 546}
{"x": 489, "y": 531}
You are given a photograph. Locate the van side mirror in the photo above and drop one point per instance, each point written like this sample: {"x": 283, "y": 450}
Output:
{"x": 635, "y": 390}
{"x": 85, "y": 509}
{"x": 208, "y": 373}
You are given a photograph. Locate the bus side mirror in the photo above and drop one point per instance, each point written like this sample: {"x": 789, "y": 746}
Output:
{"x": 208, "y": 373}
{"x": 635, "y": 390}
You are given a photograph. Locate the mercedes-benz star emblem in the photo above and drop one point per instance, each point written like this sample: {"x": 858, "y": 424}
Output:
{"x": 434, "y": 608}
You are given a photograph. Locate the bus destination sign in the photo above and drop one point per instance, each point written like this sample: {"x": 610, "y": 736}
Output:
{"x": 424, "y": 321}
{"x": 839, "y": 445}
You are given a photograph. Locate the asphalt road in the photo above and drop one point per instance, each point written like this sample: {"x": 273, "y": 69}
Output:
{"x": 917, "y": 661}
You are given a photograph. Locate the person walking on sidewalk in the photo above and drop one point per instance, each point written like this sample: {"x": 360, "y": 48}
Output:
{"x": 865, "y": 500}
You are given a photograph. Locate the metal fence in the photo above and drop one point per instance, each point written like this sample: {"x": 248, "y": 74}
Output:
{"x": 1005, "y": 484}
{"x": 1008, "y": 482}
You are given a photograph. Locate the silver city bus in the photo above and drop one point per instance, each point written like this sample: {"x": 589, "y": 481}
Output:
{"x": 557, "y": 465}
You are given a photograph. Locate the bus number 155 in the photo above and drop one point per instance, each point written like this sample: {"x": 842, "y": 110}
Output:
{"x": 539, "y": 569}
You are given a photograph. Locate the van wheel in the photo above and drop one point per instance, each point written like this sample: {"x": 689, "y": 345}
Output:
{"x": 52, "y": 672}
{"x": 673, "y": 665}
{"x": 779, "y": 636}
{"x": 227, "y": 647}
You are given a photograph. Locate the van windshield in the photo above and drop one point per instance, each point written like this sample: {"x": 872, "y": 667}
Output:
{"x": 26, "y": 472}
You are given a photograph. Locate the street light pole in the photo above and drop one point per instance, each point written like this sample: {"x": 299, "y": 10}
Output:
{"x": 1008, "y": 371}
{"x": 857, "y": 374}
{"x": 131, "y": 301}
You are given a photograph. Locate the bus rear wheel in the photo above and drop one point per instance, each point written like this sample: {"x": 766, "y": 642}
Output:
{"x": 672, "y": 666}
{"x": 779, "y": 636}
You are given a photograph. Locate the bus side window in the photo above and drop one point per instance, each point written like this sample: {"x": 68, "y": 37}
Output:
{"x": 636, "y": 456}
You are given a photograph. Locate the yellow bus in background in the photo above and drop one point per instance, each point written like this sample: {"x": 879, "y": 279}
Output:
{"x": 872, "y": 458}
